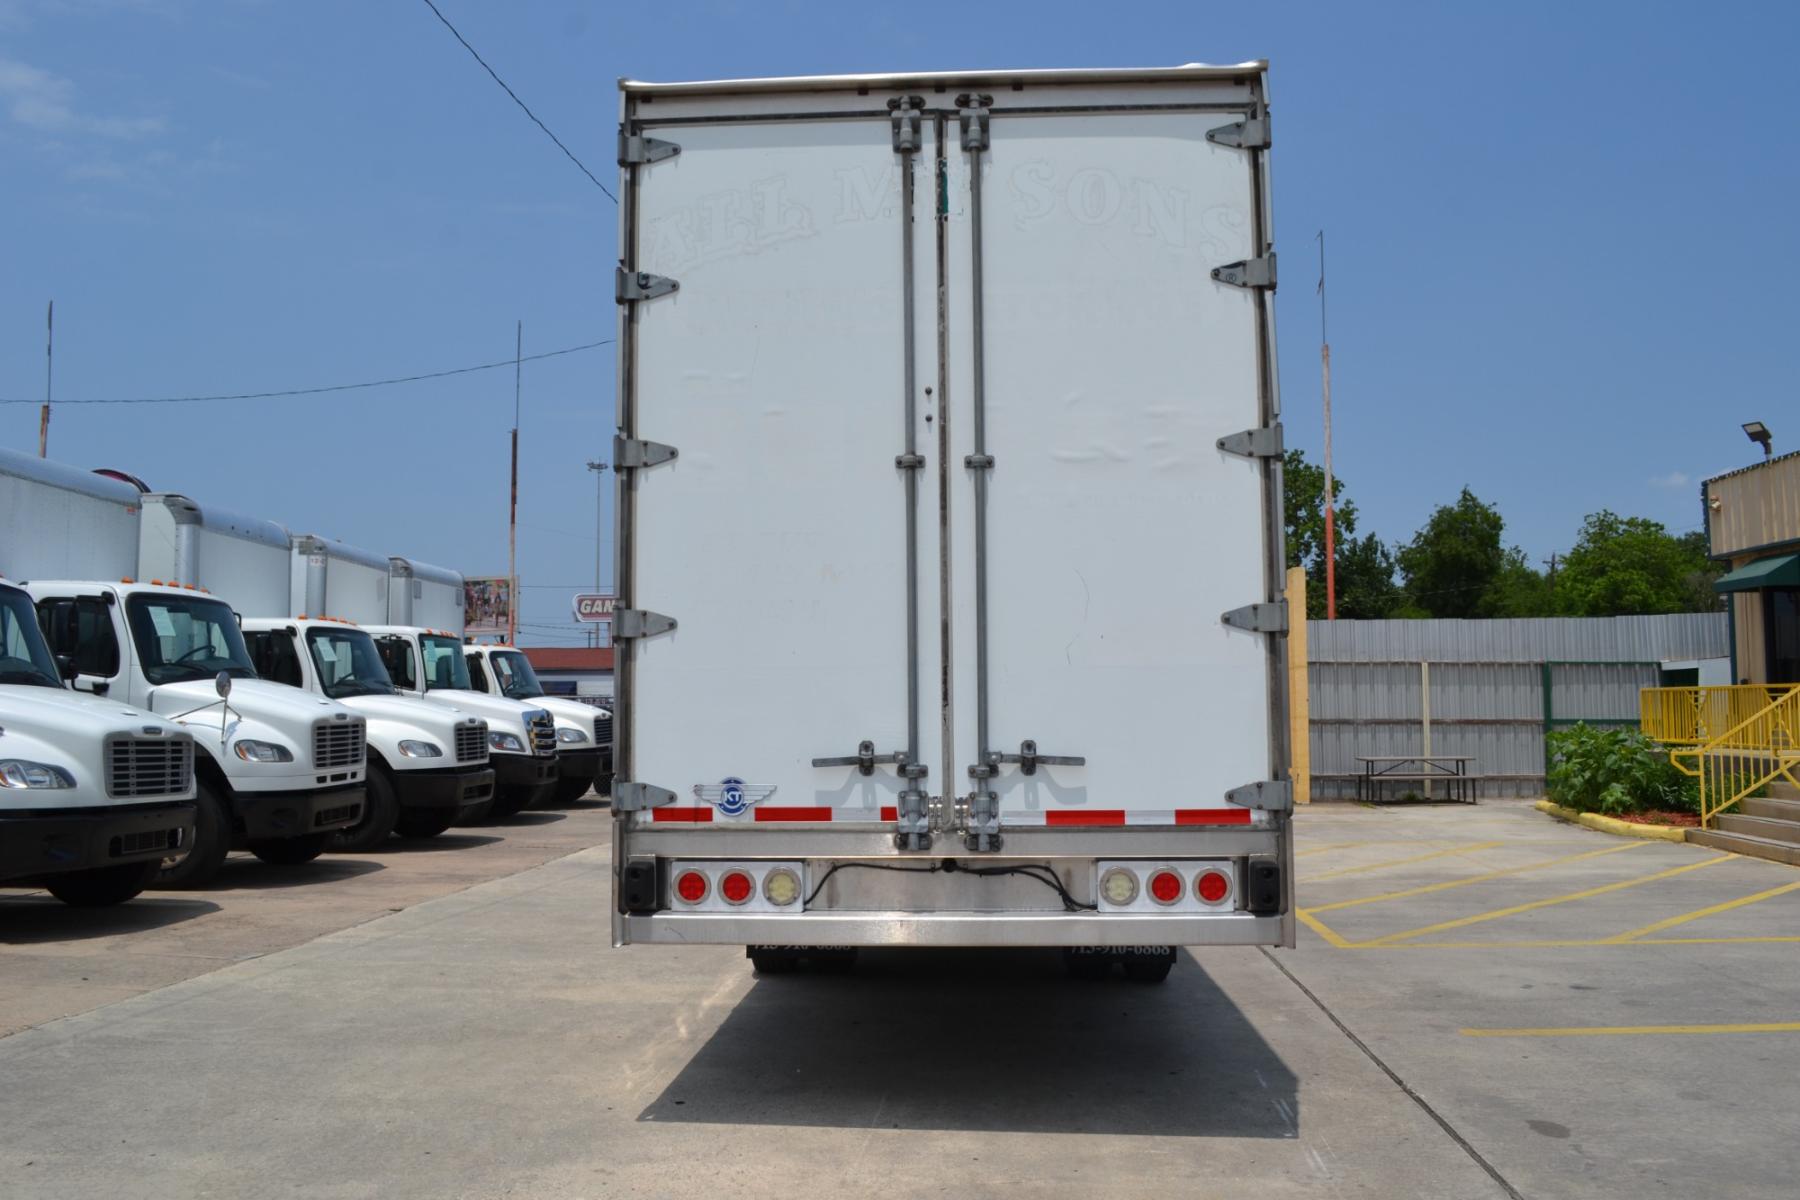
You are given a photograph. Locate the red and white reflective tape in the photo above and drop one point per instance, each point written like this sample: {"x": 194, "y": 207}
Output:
{"x": 1059, "y": 817}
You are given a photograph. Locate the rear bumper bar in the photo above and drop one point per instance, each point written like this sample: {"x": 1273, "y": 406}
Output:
{"x": 958, "y": 929}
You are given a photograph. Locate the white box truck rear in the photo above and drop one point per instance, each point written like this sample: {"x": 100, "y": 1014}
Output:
{"x": 949, "y": 513}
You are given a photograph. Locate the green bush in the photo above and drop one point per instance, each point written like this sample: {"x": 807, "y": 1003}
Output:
{"x": 1615, "y": 771}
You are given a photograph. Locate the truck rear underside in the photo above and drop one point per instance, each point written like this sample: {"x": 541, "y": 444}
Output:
{"x": 949, "y": 514}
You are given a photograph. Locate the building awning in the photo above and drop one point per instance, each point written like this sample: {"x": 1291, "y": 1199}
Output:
{"x": 1778, "y": 571}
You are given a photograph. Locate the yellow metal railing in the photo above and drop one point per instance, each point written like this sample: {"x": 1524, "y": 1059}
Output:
{"x": 1693, "y": 716}
{"x": 1742, "y": 759}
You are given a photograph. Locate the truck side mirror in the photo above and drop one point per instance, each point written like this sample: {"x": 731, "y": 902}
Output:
{"x": 65, "y": 667}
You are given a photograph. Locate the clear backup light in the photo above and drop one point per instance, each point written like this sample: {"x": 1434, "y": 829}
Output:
{"x": 1166, "y": 886}
{"x": 1119, "y": 887}
{"x": 690, "y": 887}
{"x": 781, "y": 887}
{"x": 1212, "y": 886}
{"x": 736, "y": 887}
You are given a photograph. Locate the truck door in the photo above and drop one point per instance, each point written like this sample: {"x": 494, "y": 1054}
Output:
{"x": 773, "y": 510}
{"x": 1100, "y": 530}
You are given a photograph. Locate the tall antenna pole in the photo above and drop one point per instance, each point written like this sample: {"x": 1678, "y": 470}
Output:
{"x": 49, "y": 371}
{"x": 1330, "y": 498}
{"x": 512, "y": 520}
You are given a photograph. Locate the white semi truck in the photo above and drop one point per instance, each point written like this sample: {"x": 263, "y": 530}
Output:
{"x": 93, "y": 795}
{"x": 427, "y": 766}
{"x": 342, "y": 581}
{"x": 949, "y": 516}
{"x": 583, "y": 731}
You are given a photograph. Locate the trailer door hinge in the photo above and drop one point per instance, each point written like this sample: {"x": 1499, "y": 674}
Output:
{"x": 628, "y": 623}
{"x": 1258, "y": 618}
{"x": 1250, "y": 134}
{"x": 632, "y": 286}
{"x": 908, "y": 119}
{"x": 1250, "y": 273}
{"x": 631, "y": 453}
{"x": 1265, "y": 795}
{"x": 1254, "y": 443}
{"x": 636, "y": 150}
{"x": 636, "y": 797}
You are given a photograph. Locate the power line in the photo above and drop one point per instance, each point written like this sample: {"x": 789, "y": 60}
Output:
{"x": 515, "y": 99}
{"x": 335, "y": 387}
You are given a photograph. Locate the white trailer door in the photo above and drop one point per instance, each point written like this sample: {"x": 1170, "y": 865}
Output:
{"x": 777, "y": 538}
{"x": 1097, "y": 361}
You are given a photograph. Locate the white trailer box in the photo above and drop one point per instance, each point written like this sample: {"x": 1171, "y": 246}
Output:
{"x": 421, "y": 594}
{"x": 242, "y": 560}
{"x": 60, "y": 520}
{"x": 948, "y": 415}
{"x": 331, "y": 579}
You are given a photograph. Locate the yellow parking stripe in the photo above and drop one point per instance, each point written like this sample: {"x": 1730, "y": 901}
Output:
{"x": 1516, "y": 909}
{"x": 1684, "y": 918}
{"x": 1400, "y": 862}
{"x": 1618, "y": 1030}
{"x": 1323, "y": 930}
{"x": 1456, "y": 883}
{"x": 1323, "y": 849}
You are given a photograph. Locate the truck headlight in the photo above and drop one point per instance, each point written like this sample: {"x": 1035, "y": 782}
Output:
{"x": 571, "y": 736}
{"x": 251, "y": 750}
{"x": 507, "y": 743}
{"x": 19, "y": 773}
{"x": 421, "y": 750}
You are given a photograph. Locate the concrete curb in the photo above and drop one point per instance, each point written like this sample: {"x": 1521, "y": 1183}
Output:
{"x": 1665, "y": 833}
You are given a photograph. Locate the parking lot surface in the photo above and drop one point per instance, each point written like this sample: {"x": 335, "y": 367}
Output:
{"x": 1484, "y": 1003}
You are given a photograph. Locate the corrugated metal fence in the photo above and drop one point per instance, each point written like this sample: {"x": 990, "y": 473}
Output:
{"x": 1487, "y": 689}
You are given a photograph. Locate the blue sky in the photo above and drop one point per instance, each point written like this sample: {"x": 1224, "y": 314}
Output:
{"x": 1562, "y": 240}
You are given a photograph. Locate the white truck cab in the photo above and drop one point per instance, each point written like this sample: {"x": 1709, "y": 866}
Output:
{"x": 428, "y": 764}
{"x": 583, "y": 731}
{"x": 429, "y": 663}
{"x": 93, "y": 795}
{"x": 277, "y": 771}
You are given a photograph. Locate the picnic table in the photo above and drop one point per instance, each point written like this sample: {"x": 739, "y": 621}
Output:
{"x": 1423, "y": 769}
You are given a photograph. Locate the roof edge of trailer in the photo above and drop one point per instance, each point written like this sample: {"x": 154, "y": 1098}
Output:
{"x": 312, "y": 543}
{"x": 912, "y": 79}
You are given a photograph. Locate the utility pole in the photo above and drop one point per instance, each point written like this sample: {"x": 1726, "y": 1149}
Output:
{"x": 1330, "y": 499}
{"x": 49, "y": 370}
{"x": 1553, "y": 578}
{"x": 512, "y": 521}
{"x": 599, "y": 469}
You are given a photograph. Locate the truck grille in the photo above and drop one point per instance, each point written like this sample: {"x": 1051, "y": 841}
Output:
{"x": 472, "y": 742}
{"x": 543, "y": 732}
{"x": 160, "y": 766}
{"x": 603, "y": 730}
{"x": 337, "y": 744}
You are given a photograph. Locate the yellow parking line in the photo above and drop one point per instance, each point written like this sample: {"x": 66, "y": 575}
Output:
{"x": 1323, "y": 849}
{"x": 1684, "y": 918}
{"x": 1456, "y": 883}
{"x": 1618, "y": 1030}
{"x": 1400, "y": 862}
{"x": 1516, "y": 909}
{"x": 1323, "y": 930}
{"x": 1564, "y": 943}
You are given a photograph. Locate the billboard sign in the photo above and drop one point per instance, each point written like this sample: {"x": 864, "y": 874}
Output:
{"x": 487, "y": 604}
{"x": 593, "y": 607}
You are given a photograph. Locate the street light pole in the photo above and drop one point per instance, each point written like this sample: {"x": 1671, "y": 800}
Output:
{"x": 599, "y": 469}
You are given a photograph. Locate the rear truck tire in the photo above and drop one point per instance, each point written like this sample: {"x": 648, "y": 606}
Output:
{"x": 212, "y": 839}
{"x": 103, "y": 886}
{"x": 427, "y": 822}
{"x": 771, "y": 962}
{"x": 510, "y": 801}
{"x": 1087, "y": 966}
{"x": 568, "y": 791}
{"x": 1146, "y": 965}
{"x": 290, "y": 852}
{"x": 381, "y": 809}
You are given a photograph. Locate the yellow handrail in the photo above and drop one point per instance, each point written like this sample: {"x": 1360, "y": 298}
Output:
{"x": 1692, "y": 716}
{"x": 1761, "y": 748}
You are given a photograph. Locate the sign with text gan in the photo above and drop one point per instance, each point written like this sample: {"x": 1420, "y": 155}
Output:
{"x": 593, "y": 607}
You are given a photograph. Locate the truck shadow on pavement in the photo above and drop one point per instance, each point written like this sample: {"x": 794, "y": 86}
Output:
{"x": 244, "y": 873}
{"x": 987, "y": 1040}
{"x": 442, "y": 842}
{"x": 25, "y": 920}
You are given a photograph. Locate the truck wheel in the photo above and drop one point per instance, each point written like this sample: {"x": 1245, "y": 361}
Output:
{"x": 771, "y": 962}
{"x": 381, "y": 808}
{"x": 1087, "y": 966}
{"x": 509, "y": 802}
{"x": 212, "y": 839}
{"x": 290, "y": 852}
{"x": 426, "y": 822}
{"x": 1147, "y": 969}
{"x": 603, "y": 783}
{"x": 568, "y": 791}
{"x": 103, "y": 885}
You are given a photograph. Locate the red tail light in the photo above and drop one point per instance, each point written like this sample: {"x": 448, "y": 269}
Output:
{"x": 691, "y": 886}
{"x": 1165, "y": 887}
{"x": 1212, "y": 886}
{"x": 736, "y": 887}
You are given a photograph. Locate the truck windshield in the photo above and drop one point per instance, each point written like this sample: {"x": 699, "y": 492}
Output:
{"x": 24, "y": 658}
{"x": 186, "y": 637}
{"x": 348, "y": 663}
{"x": 444, "y": 665}
{"x": 512, "y": 670}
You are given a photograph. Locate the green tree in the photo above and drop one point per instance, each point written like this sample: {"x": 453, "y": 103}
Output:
{"x": 1457, "y": 564}
{"x": 1623, "y": 565}
{"x": 1303, "y": 497}
{"x": 1366, "y": 589}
